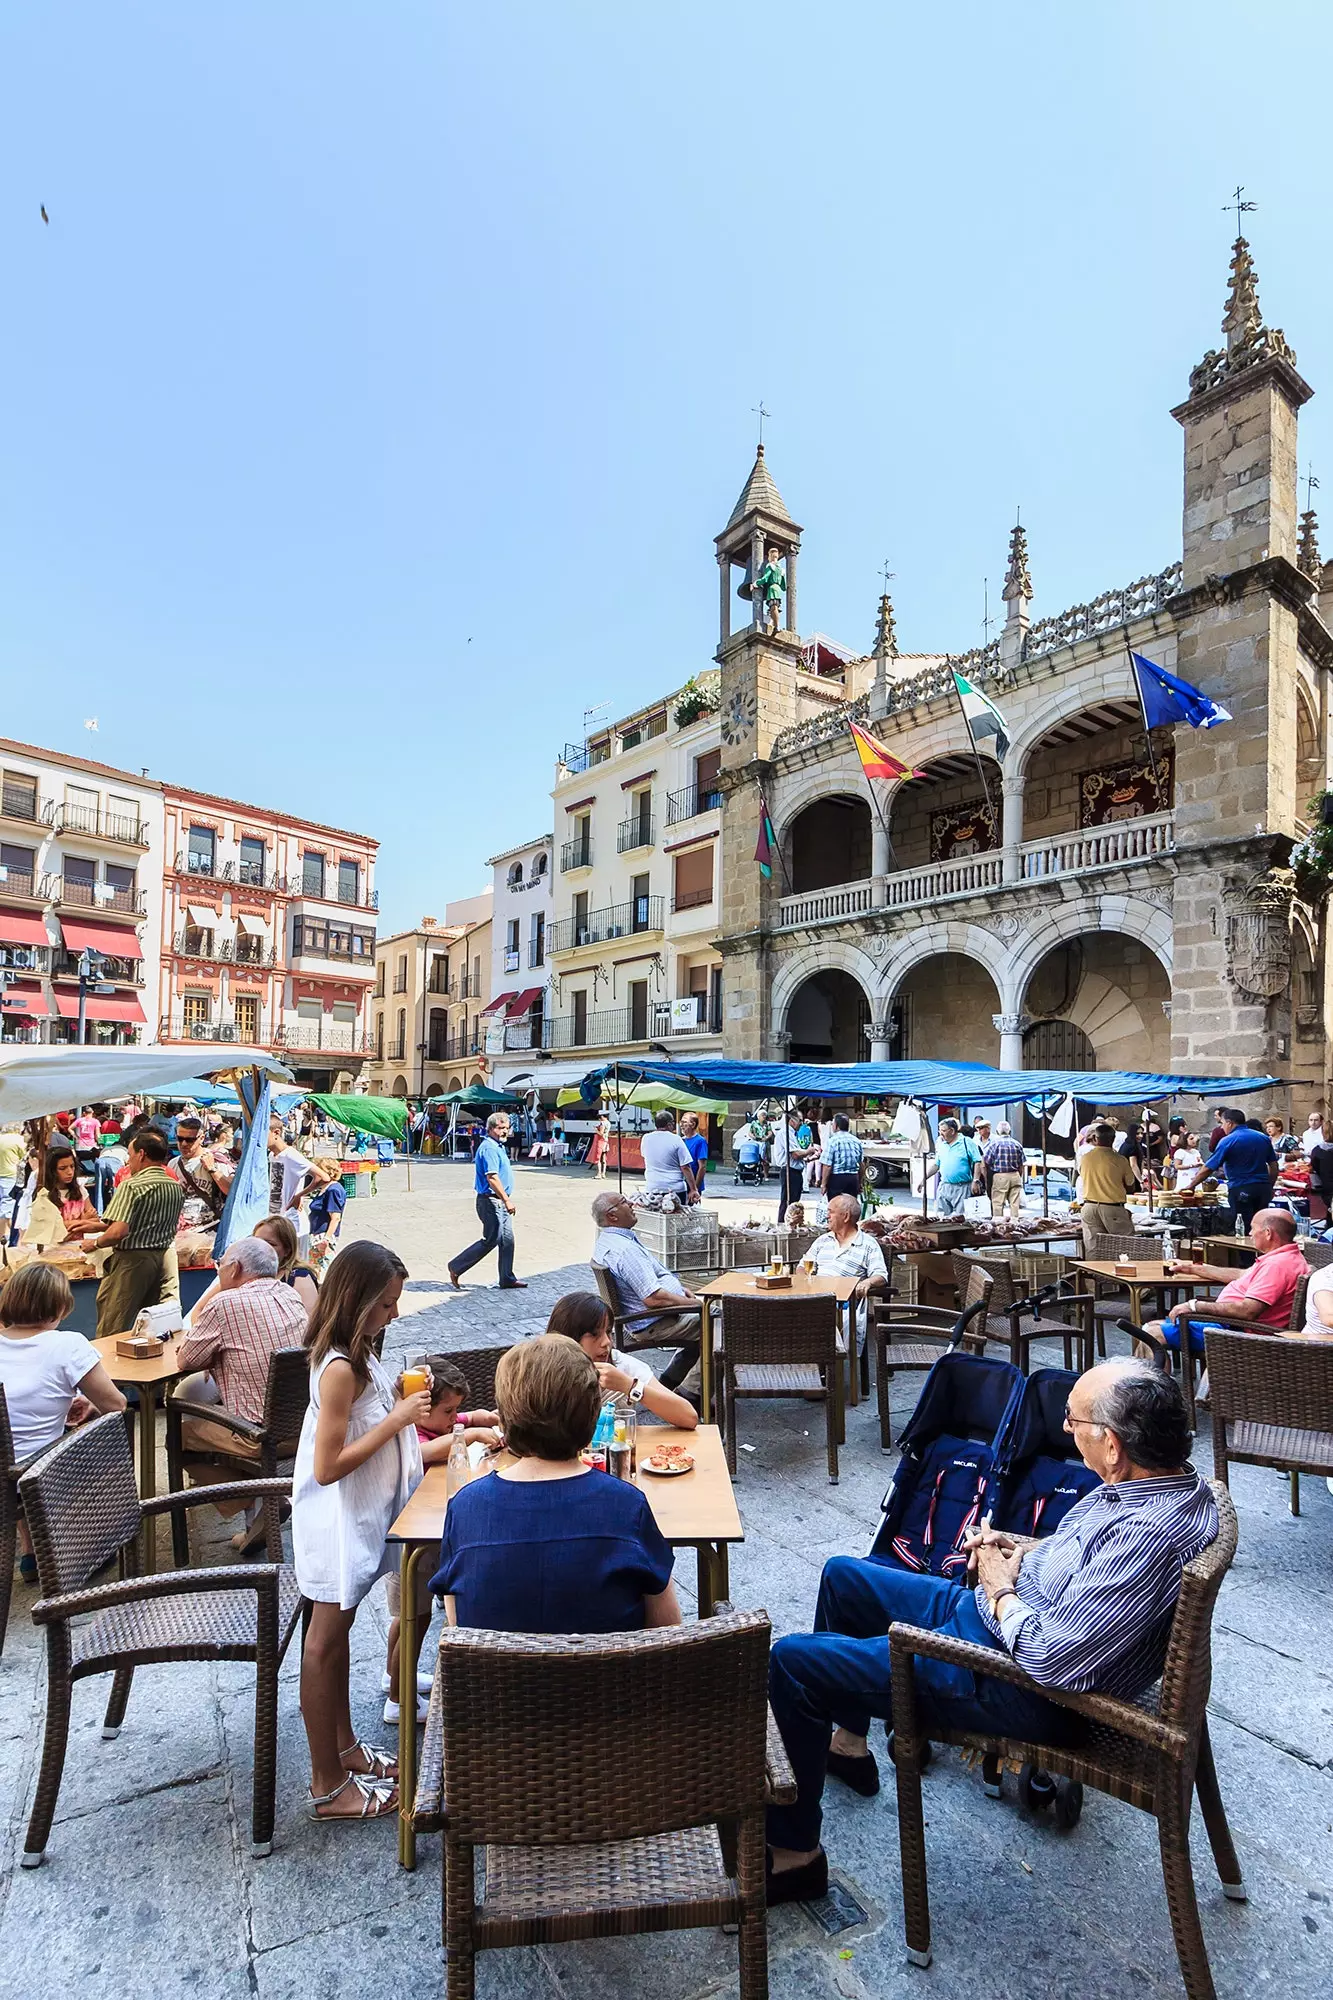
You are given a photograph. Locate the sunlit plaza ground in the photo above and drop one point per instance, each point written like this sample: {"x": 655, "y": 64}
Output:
{"x": 149, "y": 1888}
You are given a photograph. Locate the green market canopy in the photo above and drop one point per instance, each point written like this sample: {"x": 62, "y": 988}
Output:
{"x": 386, "y": 1117}
{"x": 478, "y": 1097}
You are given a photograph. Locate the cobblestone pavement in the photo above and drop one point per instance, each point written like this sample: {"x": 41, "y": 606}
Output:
{"x": 149, "y": 1888}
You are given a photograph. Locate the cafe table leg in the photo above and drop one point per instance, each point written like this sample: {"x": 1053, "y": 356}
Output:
{"x": 706, "y": 1360}
{"x": 707, "y": 1590}
{"x": 148, "y": 1470}
{"x": 853, "y": 1358}
{"x": 407, "y": 1703}
{"x": 721, "y": 1573}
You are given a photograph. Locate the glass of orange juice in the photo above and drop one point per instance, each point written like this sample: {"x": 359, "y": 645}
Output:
{"x": 415, "y": 1380}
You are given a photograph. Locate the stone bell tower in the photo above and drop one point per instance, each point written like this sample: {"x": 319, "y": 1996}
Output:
{"x": 758, "y": 700}
{"x": 1238, "y": 623}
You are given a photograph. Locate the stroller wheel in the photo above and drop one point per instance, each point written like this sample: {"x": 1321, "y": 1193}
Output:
{"x": 1068, "y": 1803}
{"x": 1036, "y": 1789}
{"x": 992, "y": 1777}
{"x": 927, "y": 1749}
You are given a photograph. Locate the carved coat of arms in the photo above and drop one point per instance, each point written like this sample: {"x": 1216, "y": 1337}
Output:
{"x": 1259, "y": 934}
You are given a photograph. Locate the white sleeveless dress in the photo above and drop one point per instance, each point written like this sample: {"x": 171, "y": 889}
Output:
{"x": 338, "y": 1531}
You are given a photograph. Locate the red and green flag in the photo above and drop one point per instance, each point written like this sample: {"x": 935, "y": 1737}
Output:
{"x": 766, "y": 845}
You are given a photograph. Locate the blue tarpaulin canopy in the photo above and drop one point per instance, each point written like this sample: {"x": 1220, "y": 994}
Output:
{"x": 930, "y": 1082}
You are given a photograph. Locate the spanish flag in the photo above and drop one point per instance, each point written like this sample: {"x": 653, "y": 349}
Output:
{"x": 876, "y": 761}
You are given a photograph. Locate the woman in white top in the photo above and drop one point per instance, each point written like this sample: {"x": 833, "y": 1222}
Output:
{"x": 1319, "y": 1305}
{"x": 357, "y": 1464}
{"x": 48, "y": 1376}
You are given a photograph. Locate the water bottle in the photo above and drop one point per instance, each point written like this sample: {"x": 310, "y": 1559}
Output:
{"x": 603, "y": 1436}
{"x": 457, "y": 1471}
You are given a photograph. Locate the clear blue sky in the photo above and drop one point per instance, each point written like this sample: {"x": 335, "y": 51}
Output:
{"x": 375, "y": 392}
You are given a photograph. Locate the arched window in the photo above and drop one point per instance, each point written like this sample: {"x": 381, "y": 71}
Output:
{"x": 539, "y": 865}
{"x": 516, "y": 875}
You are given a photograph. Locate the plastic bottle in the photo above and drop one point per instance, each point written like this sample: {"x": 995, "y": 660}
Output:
{"x": 457, "y": 1472}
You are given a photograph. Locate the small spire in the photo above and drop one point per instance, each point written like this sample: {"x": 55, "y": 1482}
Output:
{"x": 1307, "y": 554}
{"x": 1017, "y": 578}
{"x": 1242, "y": 321}
{"x": 1248, "y": 340}
{"x": 886, "y": 630}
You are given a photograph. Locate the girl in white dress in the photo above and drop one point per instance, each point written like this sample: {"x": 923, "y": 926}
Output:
{"x": 357, "y": 1464}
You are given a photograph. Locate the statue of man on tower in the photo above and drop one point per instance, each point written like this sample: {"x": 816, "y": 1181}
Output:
{"x": 769, "y": 586}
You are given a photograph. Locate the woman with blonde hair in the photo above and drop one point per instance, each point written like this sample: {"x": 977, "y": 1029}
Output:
{"x": 357, "y": 1464}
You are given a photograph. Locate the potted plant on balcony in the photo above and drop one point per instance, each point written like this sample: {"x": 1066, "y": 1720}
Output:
{"x": 695, "y": 701}
{"x": 1312, "y": 856}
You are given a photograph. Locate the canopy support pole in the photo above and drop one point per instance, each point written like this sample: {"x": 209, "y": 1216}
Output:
{"x": 620, "y": 1132}
{"x": 1045, "y": 1184}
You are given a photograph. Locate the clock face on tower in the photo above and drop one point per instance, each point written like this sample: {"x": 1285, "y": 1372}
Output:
{"x": 738, "y": 717}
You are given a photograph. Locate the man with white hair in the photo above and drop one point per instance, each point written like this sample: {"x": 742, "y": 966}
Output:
{"x": 1087, "y": 1609}
{"x": 1004, "y": 1160}
{"x": 252, "y": 1316}
{"x": 845, "y": 1250}
{"x": 493, "y": 1185}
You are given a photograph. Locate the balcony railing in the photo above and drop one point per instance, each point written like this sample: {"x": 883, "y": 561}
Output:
{"x": 695, "y": 799}
{"x": 619, "y": 920}
{"x": 400, "y": 982}
{"x": 252, "y": 875}
{"x": 22, "y": 883}
{"x": 224, "y": 951}
{"x": 18, "y": 802}
{"x": 605, "y": 1030}
{"x": 512, "y": 960}
{"x": 1066, "y": 854}
{"x": 446, "y": 988}
{"x": 637, "y": 832}
{"x": 692, "y": 899}
{"x": 175, "y": 1028}
{"x": 333, "y": 1037}
{"x": 537, "y": 950}
{"x": 119, "y": 971}
{"x": 25, "y": 958}
{"x": 93, "y": 895}
{"x": 575, "y": 854}
{"x": 705, "y": 1017}
{"x": 98, "y": 825}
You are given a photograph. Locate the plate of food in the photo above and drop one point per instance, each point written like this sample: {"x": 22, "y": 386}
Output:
{"x": 667, "y": 1461}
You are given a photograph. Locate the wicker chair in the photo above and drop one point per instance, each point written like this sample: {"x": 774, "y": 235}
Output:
{"x": 1009, "y": 1326}
{"x": 10, "y": 1511}
{"x": 259, "y": 1450}
{"x": 779, "y": 1347}
{"x": 1317, "y": 1255}
{"x": 610, "y": 1295}
{"x": 908, "y": 1338}
{"x": 1272, "y": 1404}
{"x": 1153, "y": 1754}
{"x": 570, "y": 1853}
{"x": 82, "y": 1508}
{"x": 1215, "y": 1316}
{"x": 479, "y": 1365}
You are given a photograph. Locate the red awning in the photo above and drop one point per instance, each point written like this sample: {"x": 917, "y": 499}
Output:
{"x": 522, "y": 1002}
{"x": 25, "y": 997}
{"x": 16, "y": 927}
{"x": 116, "y": 940}
{"x": 496, "y": 1006}
{"x": 99, "y": 1007}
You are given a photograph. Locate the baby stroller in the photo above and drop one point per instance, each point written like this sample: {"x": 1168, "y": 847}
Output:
{"x": 748, "y": 1170}
{"x": 941, "y": 1487}
{"x": 1038, "y": 1473}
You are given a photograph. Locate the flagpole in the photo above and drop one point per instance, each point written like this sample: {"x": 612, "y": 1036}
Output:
{"x": 985, "y": 788}
{"x": 1147, "y": 731}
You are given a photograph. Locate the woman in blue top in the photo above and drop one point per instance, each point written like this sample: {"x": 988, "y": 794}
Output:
{"x": 548, "y": 1545}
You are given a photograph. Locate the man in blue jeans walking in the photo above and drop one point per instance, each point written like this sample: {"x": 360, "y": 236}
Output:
{"x": 1088, "y": 1608}
{"x": 494, "y": 1184}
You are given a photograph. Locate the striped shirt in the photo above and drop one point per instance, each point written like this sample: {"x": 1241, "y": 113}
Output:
{"x": 234, "y": 1336}
{"x": 842, "y": 1154}
{"x": 1004, "y": 1156}
{"x": 1095, "y": 1602}
{"x": 150, "y": 1202}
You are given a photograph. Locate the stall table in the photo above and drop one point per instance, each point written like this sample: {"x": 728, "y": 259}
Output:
{"x": 696, "y": 1511}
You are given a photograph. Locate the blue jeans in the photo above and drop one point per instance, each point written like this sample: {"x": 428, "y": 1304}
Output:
{"x": 1198, "y": 1328}
{"x": 497, "y": 1233}
{"x": 1246, "y": 1201}
{"x": 839, "y": 1674}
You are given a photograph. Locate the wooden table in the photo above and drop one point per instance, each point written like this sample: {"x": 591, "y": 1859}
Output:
{"x": 1148, "y": 1277}
{"x": 150, "y": 1380}
{"x": 695, "y": 1511}
{"x": 1230, "y": 1250}
{"x": 734, "y": 1283}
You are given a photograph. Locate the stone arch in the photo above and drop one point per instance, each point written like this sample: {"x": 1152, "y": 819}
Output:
{"x": 400, "y": 1086}
{"x": 955, "y": 939}
{"x": 1309, "y": 750}
{"x": 1111, "y": 681}
{"x": 455, "y": 1083}
{"x": 798, "y": 966}
{"x": 1148, "y": 923}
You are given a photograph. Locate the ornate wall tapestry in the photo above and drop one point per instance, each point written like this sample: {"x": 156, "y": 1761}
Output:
{"x": 1125, "y": 791}
{"x": 963, "y": 830}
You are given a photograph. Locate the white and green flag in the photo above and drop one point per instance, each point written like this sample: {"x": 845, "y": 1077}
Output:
{"x": 984, "y": 722}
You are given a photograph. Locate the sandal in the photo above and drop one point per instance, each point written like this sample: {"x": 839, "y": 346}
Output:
{"x": 380, "y": 1764}
{"x": 378, "y": 1799}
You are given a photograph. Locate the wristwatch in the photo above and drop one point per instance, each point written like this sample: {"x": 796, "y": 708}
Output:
{"x": 636, "y": 1390}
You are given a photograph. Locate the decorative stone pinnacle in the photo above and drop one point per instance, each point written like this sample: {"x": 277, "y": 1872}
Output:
{"x": 1017, "y": 578}
{"x": 886, "y": 629}
{"x": 1248, "y": 340}
{"x": 1307, "y": 554}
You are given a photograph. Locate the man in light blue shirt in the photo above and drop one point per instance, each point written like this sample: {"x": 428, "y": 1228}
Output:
{"x": 956, "y": 1162}
{"x": 494, "y": 1185}
{"x": 646, "y": 1289}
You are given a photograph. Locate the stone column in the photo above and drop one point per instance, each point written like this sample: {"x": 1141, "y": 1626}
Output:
{"x": 724, "y": 599}
{"x": 879, "y": 866}
{"x": 1011, "y": 828}
{"x": 1010, "y": 1029}
{"x": 877, "y": 1034}
{"x": 791, "y": 624}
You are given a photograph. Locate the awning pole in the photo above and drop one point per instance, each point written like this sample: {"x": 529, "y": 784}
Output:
{"x": 1045, "y": 1185}
{"x": 620, "y": 1133}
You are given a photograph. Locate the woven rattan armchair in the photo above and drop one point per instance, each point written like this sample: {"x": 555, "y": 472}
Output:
{"x": 911, "y": 1338}
{"x": 574, "y": 1848}
{"x": 1272, "y": 1404}
{"x": 609, "y": 1292}
{"x": 1185, "y": 1357}
{"x": 479, "y": 1365}
{"x": 82, "y": 1508}
{"x": 1153, "y": 1753}
{"x": 1069, "y": 1319}
{"x": 256, "y": 1450}
{"x": 11, "y": 1471}
{"x": 780, "y": 1346}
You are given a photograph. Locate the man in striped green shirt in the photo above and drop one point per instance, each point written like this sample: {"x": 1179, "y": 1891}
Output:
{"x": 139, "y": 1228}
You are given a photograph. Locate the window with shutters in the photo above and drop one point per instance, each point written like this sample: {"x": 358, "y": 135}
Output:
{"x": 693, "y": 884}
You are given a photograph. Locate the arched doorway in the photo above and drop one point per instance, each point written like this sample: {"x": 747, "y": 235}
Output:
{"x": 1110, "y": 988}
{"x": 1056, "y": 1044}
{"x": 827, "y": 1019}
{"x": 944, "y": 1012}
{"x": 400, "y": 1086}
{"x": 828, "y": 843}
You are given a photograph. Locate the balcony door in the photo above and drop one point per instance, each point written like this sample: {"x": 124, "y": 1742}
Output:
{"x": 579, "y": 1024}
{"x": 638, "y": 1010}
{"x": 245, "y": 1007}
{"x": 639, "y": 900}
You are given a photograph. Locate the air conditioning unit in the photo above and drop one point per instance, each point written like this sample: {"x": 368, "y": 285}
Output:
{"x": 615, "y": 930}
{"x": 17, "y": 955}
{"x": 225, "y": 1031}
{"x": 202, "y": 1031}
{"x": 583, "y": 937}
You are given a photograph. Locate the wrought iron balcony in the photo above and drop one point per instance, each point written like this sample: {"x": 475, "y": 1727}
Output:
{"x": 640, "y": 831}
{"x": 95, "y": 824}
{"x": 22, "y": 803}
{"x": 537, "y": 950}
{"x": 643, "y": 914}
{"x": 575, "y": 854}
{"x": 119, "y": 971}
{"x": 21, "y": 885}
{"x": 695, "y": 799}
{"x": 93, "y": 896}
{"x": 331, "y": 1037}
{"x": 224, "y": 951}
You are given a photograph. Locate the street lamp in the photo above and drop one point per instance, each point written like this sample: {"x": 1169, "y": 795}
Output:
{"x": 90, "y": 981}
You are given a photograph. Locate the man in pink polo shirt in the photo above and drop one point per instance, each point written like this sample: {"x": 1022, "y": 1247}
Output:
{"x": 1262, "y": 1296}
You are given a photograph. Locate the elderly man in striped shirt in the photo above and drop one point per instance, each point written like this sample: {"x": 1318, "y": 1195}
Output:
{"x": 1088, "y": 1609}
{"x": 253, "y": 1315}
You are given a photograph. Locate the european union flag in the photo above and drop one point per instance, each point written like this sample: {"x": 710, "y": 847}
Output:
{"x": 1163, "y": 698}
